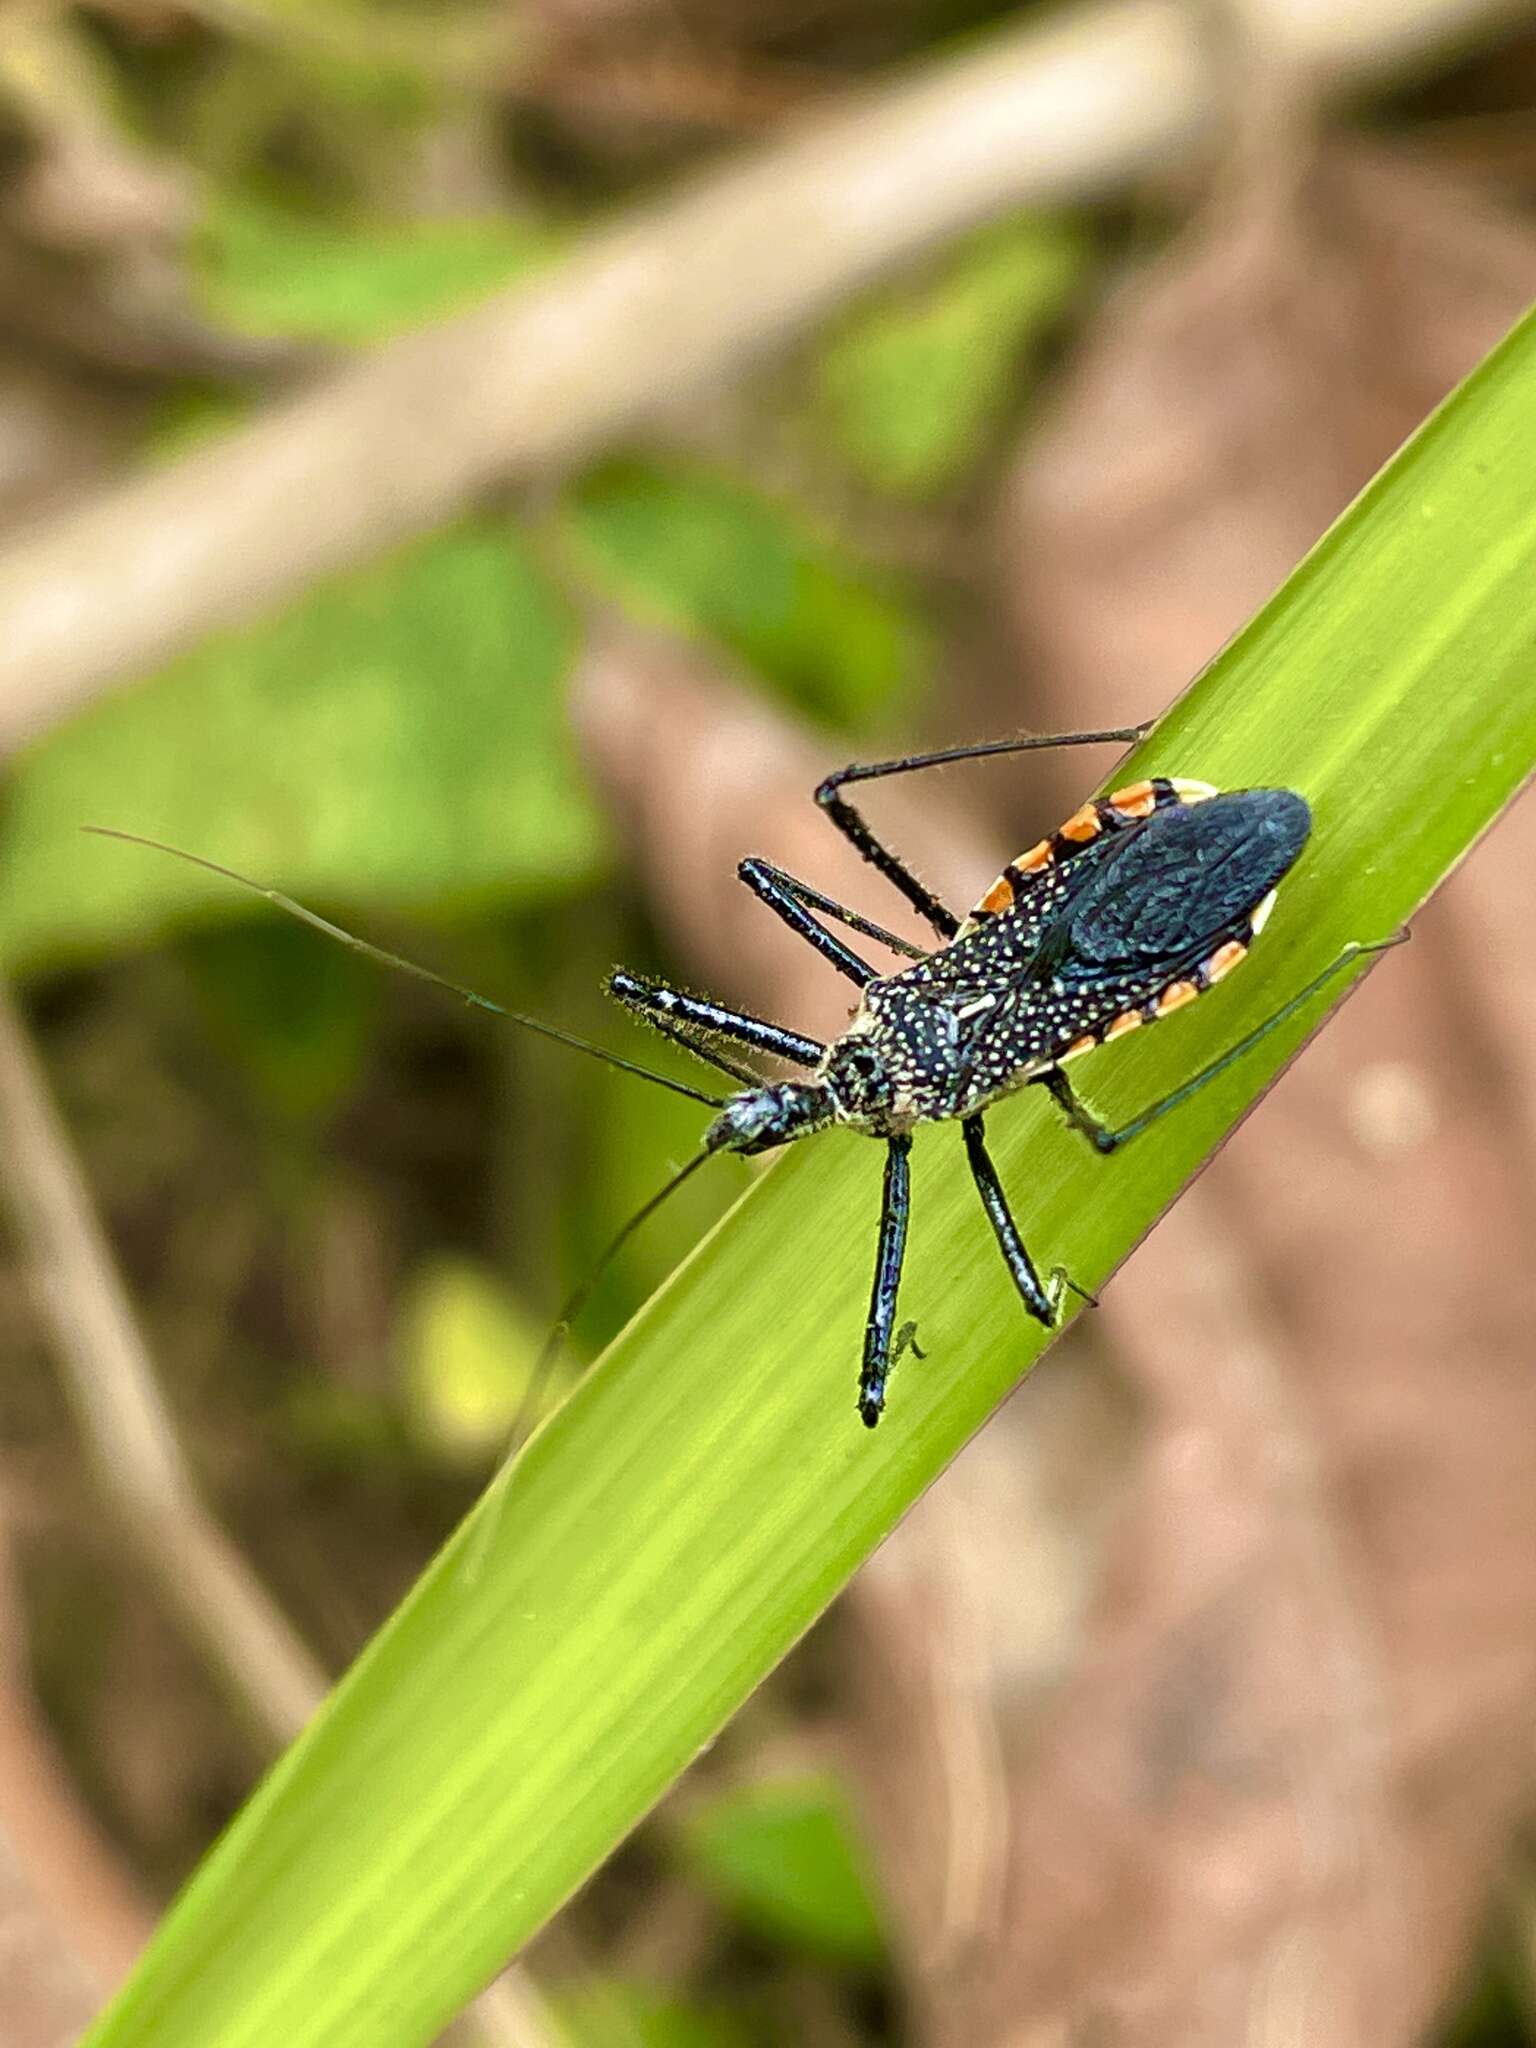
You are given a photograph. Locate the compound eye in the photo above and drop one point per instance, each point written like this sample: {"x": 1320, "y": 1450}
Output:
{"x": 864, "y": 1063}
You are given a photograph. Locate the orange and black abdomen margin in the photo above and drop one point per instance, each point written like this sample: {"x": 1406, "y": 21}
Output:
{"x": 1118, "y": 812}
{"x": 1152, "y": 928}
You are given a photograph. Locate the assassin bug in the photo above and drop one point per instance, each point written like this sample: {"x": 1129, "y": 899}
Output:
{"x": 1132, "y": 909}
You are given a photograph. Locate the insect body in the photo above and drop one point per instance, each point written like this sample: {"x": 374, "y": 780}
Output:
{"x": 1137, "y": 905}
{"x": 1140, "y": 908}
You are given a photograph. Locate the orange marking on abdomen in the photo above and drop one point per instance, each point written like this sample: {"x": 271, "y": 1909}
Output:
{"x": 1224, "y": 959}
{"x": 1038, "y": 856}
{"x": 1083, "y": 824}
{"x": 1175, "y": 996}
{"x": 1136, "y": 800}
{"x": 1079, "y": 1045}
{"x": 1128, "y": 1020}
{"x": 998, "y": 897}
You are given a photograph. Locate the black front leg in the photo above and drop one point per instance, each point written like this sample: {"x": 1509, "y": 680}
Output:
{"x": 679, "y": 1016}
{"x": 879, "y": 1352}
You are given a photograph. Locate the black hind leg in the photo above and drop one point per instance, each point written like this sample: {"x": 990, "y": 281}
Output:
{"x": 1104, "y": 1139}
{"x": 896, "y": 872}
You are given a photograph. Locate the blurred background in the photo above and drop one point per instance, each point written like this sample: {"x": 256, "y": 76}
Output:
{"x": 477, "y": 466}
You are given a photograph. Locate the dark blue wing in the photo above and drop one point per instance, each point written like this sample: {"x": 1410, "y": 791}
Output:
{"x": 1178, "y": 885}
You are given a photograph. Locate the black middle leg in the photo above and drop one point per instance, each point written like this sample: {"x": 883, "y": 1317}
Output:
{"x": 788, "y": 899}
{"x": 1043, "y": 1303}
{"x": 772, "y": 884}
{"x": 879, "y": 1354}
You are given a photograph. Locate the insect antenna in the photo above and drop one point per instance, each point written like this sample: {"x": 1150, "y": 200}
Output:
{"x": 528, "y": 1405}
{"x": 401, "y": 965}
{"x": 579, "y": 1296}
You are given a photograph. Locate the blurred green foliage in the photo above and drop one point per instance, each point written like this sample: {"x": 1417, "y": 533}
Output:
{"x": 395, "y": 736}
{"x": 467, "y": 1353}
{"x": 784, "y": 1858}
{"x": 296, "y": 1018}
{"x": 309, "y": 100}
{"x": 601, "y": 2014}
{"x": 914, "y": 384}
{"x": 700, "y": 551}
{"x": 271, "y": 271}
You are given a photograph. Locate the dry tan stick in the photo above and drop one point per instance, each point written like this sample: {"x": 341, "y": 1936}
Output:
{"x": 671, "y": 299}
{"x": 273, "y": 1680}
{"x": 71, "y": 1919}
{"x": 271, "y": 1677}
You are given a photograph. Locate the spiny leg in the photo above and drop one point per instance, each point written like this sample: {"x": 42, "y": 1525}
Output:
{"x": 785, "y": 896}
{"x": 760, "y": 874}
{"x": 1043, "y": 1303}
{"x": 896, "y": 872}
{"x": 1103, "y": 1139}
{"x": 879, "y": 1352}
{"x": 695, "y": 1043}
{"x": 680, "y": 1017}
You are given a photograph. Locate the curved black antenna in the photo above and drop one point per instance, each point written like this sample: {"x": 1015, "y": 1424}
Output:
{"x": 401, "y": 965}
{"x": 527, "y": 1407}
{"x": 538, "y": 1379}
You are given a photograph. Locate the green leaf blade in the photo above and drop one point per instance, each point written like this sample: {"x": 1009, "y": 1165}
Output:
{"x": 707, "y": 1490}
